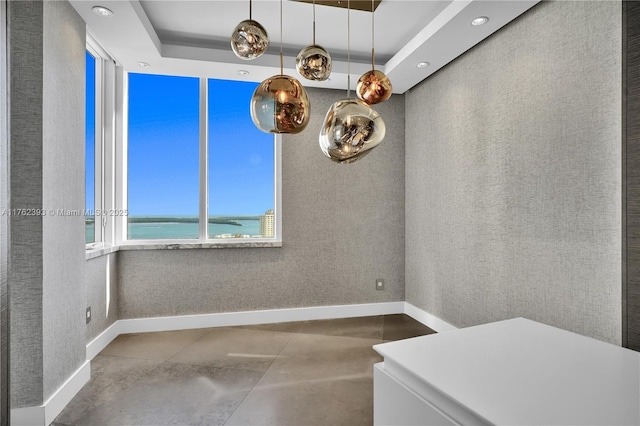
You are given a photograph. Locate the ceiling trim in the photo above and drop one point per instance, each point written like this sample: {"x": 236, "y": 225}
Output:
{"x": 131, "y": 38}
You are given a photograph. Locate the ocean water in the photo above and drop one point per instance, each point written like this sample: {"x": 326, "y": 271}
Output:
{"x": 156, "y": 231}
{"x": 171, "y": 231}
{"x": 89, "y": 232}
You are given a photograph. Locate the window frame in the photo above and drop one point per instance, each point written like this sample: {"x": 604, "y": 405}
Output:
{"x": 104, "y": 149}
{"x": 98, "y": 240}
{"x": 203, "y": 240}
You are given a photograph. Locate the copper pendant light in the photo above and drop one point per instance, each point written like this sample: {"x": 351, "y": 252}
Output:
{"x": 314, "y": 62}
{"x": 373, "y": 86}
{"x": 249, "y": 39}
{"x": 280, "y": 104}
{"x": 351, "y": 128}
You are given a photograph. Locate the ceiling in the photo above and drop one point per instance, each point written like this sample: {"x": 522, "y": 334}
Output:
{"x": 186, "y": 37}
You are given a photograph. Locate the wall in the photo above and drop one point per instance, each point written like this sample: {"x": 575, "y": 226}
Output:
{"x": 63, "y": 187}
{"x": 46, "y": 277}
{"x": 631, "y": 177}
{"x": 26, "y": 61}
{"x": 513, "y": 176}
{"x": 4, "y": 222}
{"x": 343, "y": 227}
{"x": 102, "y": 294}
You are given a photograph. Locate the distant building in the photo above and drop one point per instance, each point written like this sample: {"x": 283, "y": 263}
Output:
{"x": 267, "y": 224}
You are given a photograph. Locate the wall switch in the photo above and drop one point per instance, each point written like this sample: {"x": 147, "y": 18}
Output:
{"x": 88, "y": 314}
{"x": 379, "y": 284}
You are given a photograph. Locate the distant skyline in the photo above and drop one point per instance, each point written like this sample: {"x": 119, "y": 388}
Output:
{"x": 163, "y": 169}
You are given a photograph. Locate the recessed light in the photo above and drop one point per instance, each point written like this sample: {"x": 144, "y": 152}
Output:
{"x": 143, "y": 65}
{"x": 102, "y": 11}
{"x": 243, "y": 72}
{"x": 422, "y": 64}
{"x": 480, "y": 20}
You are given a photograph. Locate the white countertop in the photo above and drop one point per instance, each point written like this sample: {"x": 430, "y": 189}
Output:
{"x": 520, "y": 372}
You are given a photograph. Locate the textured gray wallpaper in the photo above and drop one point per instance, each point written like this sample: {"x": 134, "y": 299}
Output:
{"x": 513, "y": 176}
{"x": 25, "y": 273}
{"x": 47, "y": 155}
{"x": 104, "y": 309}
{"x": 343, "y": 227}
{"x": 4, "y": 219}
{"x": 63, "y": 186}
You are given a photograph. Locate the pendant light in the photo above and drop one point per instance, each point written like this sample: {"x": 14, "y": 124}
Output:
{"x": 280, "y": 104}
{"x": 314, "y": 62}
{"x": 351, "y": 128}
{"x": 373, "y": 86}
{"x": 249, "y": 39}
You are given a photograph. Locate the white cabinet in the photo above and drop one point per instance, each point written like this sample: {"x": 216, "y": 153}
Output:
{"x": 396, "y": 404}
{"x": 515, "y": 372}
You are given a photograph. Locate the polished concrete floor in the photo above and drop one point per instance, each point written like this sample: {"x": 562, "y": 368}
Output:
{"x": 296, "y": 373}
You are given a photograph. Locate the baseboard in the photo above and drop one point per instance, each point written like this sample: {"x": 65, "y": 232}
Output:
{"x": 226, "y": 319}
{"x": 65, "y": 393}
{"x": 99, "y": 343}
{"x": 427, "y": 319}
{"x": 27, "y": 416}
{"x": 46, "y": 413}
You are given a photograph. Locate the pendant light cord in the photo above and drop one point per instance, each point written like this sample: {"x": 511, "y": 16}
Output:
{"x": 250, "y": 10}
{"x": 373, "y": 41}
{"x": 348, "y": 48}
{"x": 281, "y": 56}
{"x": 314, "y": 22}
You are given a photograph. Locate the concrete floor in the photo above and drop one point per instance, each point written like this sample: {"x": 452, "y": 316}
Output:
{"x": 297, "y": 373}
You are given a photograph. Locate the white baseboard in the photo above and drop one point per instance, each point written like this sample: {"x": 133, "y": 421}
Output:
{"x": 226, "y": 319}
{"x": 427, "y": 319}
{"x": 27, "y": 416}
{"x": 99, "y": 343}
{"x": 65, "y": 393}
{"x": 46, "y": 413}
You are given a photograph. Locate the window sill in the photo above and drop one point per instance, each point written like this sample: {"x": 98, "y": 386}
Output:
{"x": 156, "y": 245}
{"x": 94, "y": 252}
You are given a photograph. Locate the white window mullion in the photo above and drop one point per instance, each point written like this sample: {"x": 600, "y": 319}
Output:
{"x": 121, "y": 157}
{"x": 277, "y": 183}
{"x": 99, "y": 151}
{"x": 204, "y": 170}
{"x": 108, "y": 143}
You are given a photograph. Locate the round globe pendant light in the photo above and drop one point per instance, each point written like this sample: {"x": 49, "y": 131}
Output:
{"x": 373, "y": 86}
{"x": 350, "y": 131}
{"x": 351, "y": 128}
{"x": 280, "y": 104}
{"x": 249, "y": 39}
{"x": 314, "y": 62}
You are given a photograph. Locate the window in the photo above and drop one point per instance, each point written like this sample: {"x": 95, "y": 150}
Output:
{"x": 198, "y": 168}
{"x": 99, "y": 145}
{"x": 241, "y": 164}
{"x": 90, "y": 149}
{"x": 164, "y": 143}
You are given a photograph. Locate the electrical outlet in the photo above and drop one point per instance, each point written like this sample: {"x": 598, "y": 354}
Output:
{"x": 379, "y": 284}
{"x": 88, "y": 314}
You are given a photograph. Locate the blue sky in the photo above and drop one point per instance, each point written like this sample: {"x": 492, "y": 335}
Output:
{"x": 163, "y": 169}
{"x": 90, "y": 131}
